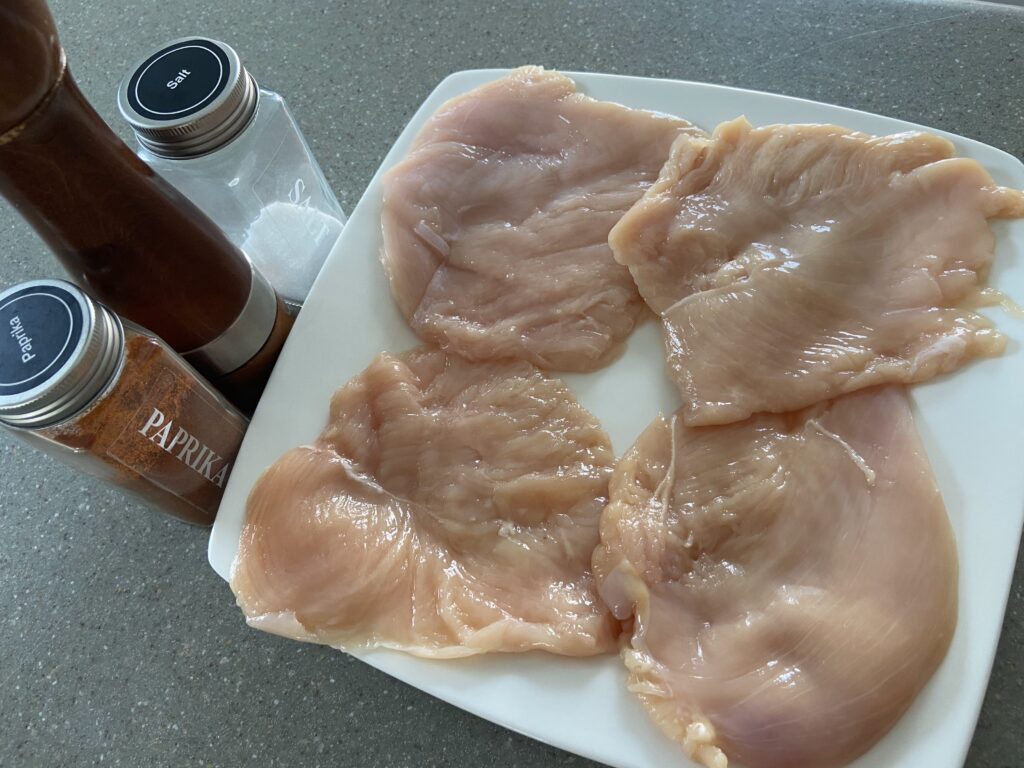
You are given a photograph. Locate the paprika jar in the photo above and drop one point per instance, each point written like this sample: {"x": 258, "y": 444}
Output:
{"x": 108, "y": 397}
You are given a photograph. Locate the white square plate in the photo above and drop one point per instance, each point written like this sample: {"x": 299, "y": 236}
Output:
{"x": 972, "y": 424}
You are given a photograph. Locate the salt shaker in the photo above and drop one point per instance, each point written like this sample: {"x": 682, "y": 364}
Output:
{"x": 108, "y": 397}
{"x": 236, "y": 151}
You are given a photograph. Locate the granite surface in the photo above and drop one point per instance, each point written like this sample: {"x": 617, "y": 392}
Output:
{"x": 118, "y": 644}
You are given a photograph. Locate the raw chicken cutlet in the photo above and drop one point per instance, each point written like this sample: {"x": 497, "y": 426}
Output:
{"x": 449, "y": 508}
{"x": 496, "y": 224}
{"x": 794, "y": 263}
{"x": 793, "y": 579}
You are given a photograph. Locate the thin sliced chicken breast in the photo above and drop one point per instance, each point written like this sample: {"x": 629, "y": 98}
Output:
{"x": 449, "y": 508}
{"x": 496, "y": 224}
{"x": 794, "y": 263}
{"x": 793, "y": 579}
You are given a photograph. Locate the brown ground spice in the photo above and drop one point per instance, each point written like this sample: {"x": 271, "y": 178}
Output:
{"x": 159, "y": 431}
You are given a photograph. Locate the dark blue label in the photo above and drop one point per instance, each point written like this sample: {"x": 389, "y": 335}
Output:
{"x": 40, "y": 329}
{"x": 179, "y": 80}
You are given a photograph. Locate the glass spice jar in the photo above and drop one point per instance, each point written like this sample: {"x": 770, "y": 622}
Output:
{"x": 235, "y": 150}
{"x": 108, "y": 397}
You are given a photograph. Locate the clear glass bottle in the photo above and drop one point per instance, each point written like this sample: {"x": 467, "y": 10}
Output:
{"x": 109, "y": 398}
{"x": 236, "y": 151}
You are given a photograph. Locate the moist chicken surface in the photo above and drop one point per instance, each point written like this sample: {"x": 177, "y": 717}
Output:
{"x": 449, "y": 508}
{"x": 496, "y": 223}
{"x": 793, "y": 263}
{"x": 792, "y": 579}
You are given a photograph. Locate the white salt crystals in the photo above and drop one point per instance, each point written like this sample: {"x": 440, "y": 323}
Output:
{"x": 288, "y": 244}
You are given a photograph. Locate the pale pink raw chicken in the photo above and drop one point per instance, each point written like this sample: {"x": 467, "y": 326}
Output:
{"x": 449, "y": 508}
{"x": 793, "y": 579}
{"x": 496, "y": 223}
{"x": 793, "y": 263}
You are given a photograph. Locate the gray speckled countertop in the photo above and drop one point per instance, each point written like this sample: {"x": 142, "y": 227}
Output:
{"x": 118, "y": 644}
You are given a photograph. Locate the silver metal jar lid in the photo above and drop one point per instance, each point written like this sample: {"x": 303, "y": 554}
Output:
{"x": 59, "y": 350}
{"x": 188, "y": 98}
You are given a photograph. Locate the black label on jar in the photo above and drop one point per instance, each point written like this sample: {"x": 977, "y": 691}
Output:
{"x": 179, "y": 80}
{"x": 40, "y": 331}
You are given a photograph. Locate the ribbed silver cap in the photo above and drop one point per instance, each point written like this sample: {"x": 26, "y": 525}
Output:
{"x": 188, "y": 98}
{"x": 59, "y": 350}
